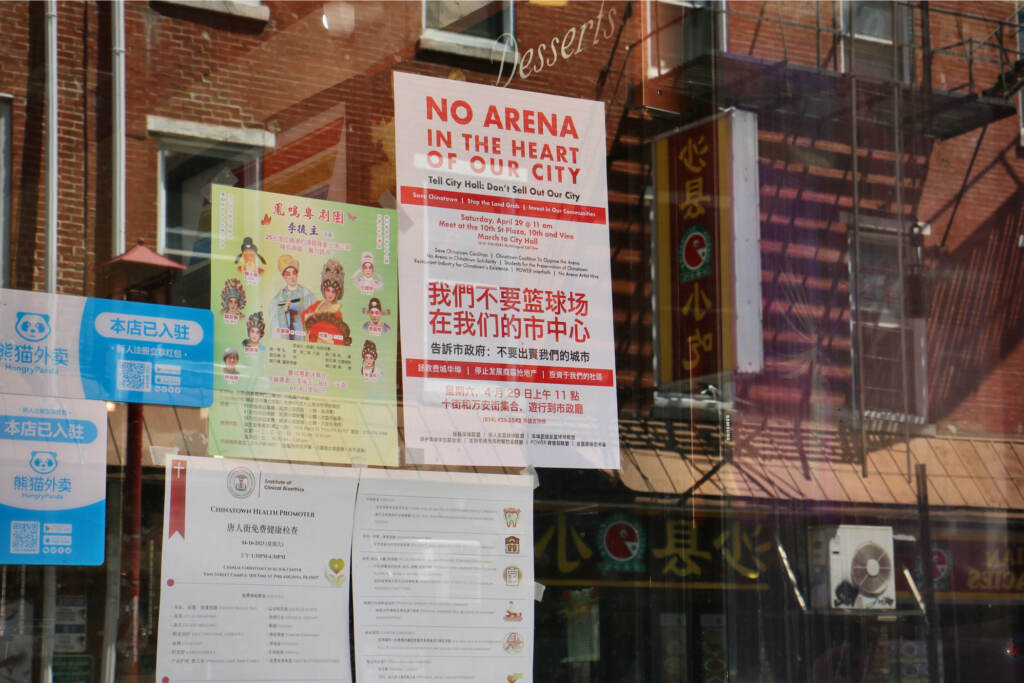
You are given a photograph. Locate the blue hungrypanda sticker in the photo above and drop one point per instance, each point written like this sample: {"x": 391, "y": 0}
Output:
{"x": 52, "y": 480}
{"x": 60, "y": 345}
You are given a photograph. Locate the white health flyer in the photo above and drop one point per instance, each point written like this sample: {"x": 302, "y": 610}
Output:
{"x": 255, "y": 571}
{"x": 443, "y": 585}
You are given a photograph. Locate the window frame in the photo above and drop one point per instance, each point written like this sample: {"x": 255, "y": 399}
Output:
{"x": 652, "y": 67}
{"x": 453, "y": 42}
{"x": 882, "y": 233}
{"x": 245, "y": 9}
{"x": 169, "y": 144}
{"x": 902, "y": 40}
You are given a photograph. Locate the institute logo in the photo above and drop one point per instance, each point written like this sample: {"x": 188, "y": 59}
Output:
{"x": 695, "y": 254}
{"x": 32, "y": 327}
{"x": 623, "y": 544}
{"x": 241, "y": 482}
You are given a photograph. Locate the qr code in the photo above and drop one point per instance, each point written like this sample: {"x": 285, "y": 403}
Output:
{"x": 134, "y": 375}
{"x": 25, "y": 538}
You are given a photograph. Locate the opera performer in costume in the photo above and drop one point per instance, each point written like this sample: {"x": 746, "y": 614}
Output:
{"x": 369, "y": 368}
{"x": 255, "y": 328}
{"x": 323, "y": 321}
{"x": 289, "y": 303}
{"x": 366, "y": 279}
{"x": 232, "y": 300}
{"x": 375, "y": 326}
{"x": 249, "y": 261}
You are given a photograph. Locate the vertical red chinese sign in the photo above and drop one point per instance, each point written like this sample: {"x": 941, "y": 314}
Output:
{"x": 708, "y": 255}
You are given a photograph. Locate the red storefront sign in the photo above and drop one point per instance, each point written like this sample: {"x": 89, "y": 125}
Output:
{"x": 691, "y": 255}
{"x": 708, "y": 252}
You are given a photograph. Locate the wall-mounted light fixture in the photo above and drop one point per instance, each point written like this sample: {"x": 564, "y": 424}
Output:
{"x": 339, "y": 18}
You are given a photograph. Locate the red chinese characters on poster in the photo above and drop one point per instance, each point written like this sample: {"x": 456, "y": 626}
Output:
{"x": 508, "y": 355}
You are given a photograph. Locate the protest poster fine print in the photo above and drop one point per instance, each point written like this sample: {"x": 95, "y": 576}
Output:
{"x": 304, "y": 296}
{"x": 508, "y": 354}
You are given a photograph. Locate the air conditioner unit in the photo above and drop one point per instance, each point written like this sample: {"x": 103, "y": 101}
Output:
{"x": 852, "y": 568}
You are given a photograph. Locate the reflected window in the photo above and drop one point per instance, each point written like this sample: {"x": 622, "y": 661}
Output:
{"x": 892, "y": 342}
{"x": 187, "y": 169}
{"x": 876, "y": 34}
{"x": 471, "y": 28}
{"x": 677, "y": 35}
{"x": 680, "y": 31}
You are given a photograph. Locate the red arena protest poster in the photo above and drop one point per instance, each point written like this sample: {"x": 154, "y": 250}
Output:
{"x": 505, "y": 283}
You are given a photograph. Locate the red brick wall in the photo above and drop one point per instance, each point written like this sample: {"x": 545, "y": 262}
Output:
{"x": 975, "y": 361}
{"x": 322, "y": 94}
{"x": 23, "y": 55}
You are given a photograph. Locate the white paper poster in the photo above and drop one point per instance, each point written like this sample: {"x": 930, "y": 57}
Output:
{"x": 442, "y": 569}
{"x": 505, "y": 282}
{"x": 255, "y": 572}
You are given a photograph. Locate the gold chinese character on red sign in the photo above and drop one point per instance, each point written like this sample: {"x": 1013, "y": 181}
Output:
{"x": 698, "y": 303}
{"x": 693, "y": 153}
{"x": 694, "y": 198}
{"x": 742, "y": 549}
{"x": 562, "y": 537}
{"x": 697, "y": 342}
{"x": 681, "y": 549}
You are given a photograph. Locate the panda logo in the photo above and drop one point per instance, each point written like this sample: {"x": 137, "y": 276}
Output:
{"x": 43, "y": 462}
{"x": 33, "y": 327}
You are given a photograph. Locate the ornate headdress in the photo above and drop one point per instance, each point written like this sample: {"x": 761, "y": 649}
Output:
{"x": 256, "y": 321}
{"x": 287, "y": 261}
{"x": 375, "y": 305}
{"x": 233, "y": 289}
{"x": 249, "y": 245}
{"x": 333, "y": 274}
{"x": 369, "y": 348}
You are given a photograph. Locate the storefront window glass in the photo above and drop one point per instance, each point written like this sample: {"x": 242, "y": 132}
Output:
{"x": 566, "y": 342}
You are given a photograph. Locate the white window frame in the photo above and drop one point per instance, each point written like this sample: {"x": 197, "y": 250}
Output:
{"x": 174, "y": 135}
{"x": 881, "y": 231}
{"x": 175, "y": 145}
{"x": 463, "y": 45}
{"x": 247, "y": 9}
{"x": 847, "y": 35}
{"x": 652, "y": 67}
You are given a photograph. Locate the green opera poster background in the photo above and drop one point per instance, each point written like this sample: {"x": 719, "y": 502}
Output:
{"x": 304, "y": 295}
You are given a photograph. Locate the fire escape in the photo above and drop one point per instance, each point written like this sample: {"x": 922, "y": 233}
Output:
{"x": 840, "y": 79}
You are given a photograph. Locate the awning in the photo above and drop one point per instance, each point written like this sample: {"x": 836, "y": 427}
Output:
{"x": 775, "y": 461}
{"x": 819, "y": 464}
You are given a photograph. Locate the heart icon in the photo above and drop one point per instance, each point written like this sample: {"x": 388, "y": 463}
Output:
{"x": 336, "y": 565}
